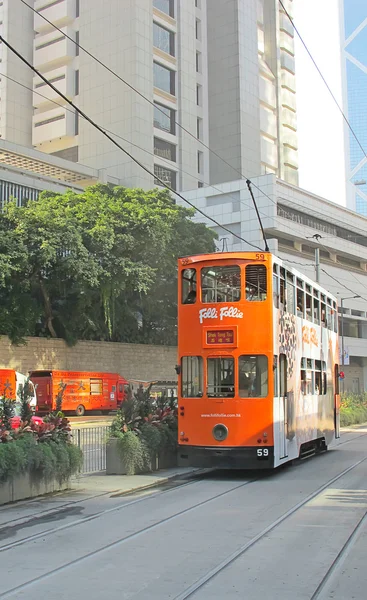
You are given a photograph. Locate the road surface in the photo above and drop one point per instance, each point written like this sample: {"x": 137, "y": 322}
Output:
{"x": 298, "y": 533}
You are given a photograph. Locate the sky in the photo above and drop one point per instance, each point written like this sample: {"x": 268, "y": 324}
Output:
{"x": 321, "y": 129}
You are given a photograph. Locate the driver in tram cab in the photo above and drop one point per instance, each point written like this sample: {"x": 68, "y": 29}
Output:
{"x": 228, "y": 384}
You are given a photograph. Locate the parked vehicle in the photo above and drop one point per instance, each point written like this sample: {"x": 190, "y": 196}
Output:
{"x": 11, "y": 384}
{"x": 84, "y": 391}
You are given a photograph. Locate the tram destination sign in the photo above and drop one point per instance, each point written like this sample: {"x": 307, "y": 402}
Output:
{"x": 218, "y": 337}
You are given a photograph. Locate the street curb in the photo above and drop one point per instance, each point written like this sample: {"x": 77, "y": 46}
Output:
{"x": 117, "y": 493}
{"x": 111, "y": 493}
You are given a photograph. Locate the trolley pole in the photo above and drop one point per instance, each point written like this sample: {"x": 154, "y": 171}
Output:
{"x": 317, "y": 264}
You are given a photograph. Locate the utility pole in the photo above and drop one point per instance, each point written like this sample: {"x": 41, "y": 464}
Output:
{"x": 317, "y": 264}
{"x": 342, "y": 330}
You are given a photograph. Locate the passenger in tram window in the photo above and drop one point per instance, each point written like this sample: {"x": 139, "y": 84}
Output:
{"x": 191, "y": 297}
{"x": 251, "y": 293}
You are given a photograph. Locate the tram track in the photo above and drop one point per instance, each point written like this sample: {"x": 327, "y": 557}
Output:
{"x": 179, "y": 482}
{"x": 339, "y": 559}
{"x": 100, "y": 514}
{"x": 200, "y": 583}
{"x": 196, "y": 586}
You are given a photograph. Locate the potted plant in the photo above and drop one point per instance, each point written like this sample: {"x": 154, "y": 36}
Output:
{"x": 143, "y": 435}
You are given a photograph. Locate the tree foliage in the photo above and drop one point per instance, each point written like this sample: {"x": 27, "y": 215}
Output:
{"x": 101, "y": 265}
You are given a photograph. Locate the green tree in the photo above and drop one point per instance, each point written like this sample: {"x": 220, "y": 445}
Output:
{"x": 99, "y": 265}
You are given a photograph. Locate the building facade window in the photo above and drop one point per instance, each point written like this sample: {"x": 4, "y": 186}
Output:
{"x": 198, "y": 62}
{"x": 20, "y": 193}
{"x": 163, "y": 39}
{"x": 77, "y": 82}
{"x": 199, "y": 128}
{"x": 166, "y": 175}
{"x": 77, "y": 38}
{"x": 164, "y": 118}
{"x": 165, "y": 6}
{"x": 164, "y": 149}
{"x": 164, "y": 78}
{"x": 48, "y": 121}
{"x": 199, "y": 95}
{"x": 198, "y": 29}
{"x": 200, "y": 162}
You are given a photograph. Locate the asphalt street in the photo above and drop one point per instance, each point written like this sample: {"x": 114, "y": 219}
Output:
{"x": 299, "y": 532}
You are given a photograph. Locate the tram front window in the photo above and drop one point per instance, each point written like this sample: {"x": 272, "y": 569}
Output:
{"x": 221, "y": 284}
{"x": 253, "y": 376}
{"x": 220, "y": 378}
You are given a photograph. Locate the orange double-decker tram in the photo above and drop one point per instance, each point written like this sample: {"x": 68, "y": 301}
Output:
{"x": 257, "y": 362}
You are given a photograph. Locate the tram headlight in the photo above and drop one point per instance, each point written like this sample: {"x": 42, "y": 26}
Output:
{"x": 220, "y": 432}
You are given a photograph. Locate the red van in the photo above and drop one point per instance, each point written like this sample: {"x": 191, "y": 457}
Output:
{"x": 84, "y": 391}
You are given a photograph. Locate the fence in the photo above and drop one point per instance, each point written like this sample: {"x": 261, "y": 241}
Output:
{"x": 92, "y": 441}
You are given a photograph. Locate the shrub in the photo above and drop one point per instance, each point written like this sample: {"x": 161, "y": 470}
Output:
{"x": 353, "y": 409}
{"x": 132, "y": 452}
{"x": 41, "y": 460}
{"x": 144, "y": 427}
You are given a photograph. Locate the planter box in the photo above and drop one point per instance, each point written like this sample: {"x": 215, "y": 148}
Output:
{"x": 114, "y": 464}
{"x": 23, "y": 486}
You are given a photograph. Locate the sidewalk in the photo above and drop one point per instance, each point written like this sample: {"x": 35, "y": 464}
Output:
{"x": 100, "y": 483}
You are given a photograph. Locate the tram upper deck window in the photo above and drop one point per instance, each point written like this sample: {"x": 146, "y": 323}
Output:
{"x": 192, "y": 376}
{"x": 256, "y": 285}
{"x": 221, "y": 284}
{"x": 188, "y": 286}
{"x": 253, "y": 376}
{"x": 300, "y": 298}
{"x": 220, "y": 377}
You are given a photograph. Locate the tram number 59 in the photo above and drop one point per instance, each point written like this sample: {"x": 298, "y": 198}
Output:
{"x": 262, "y": 453}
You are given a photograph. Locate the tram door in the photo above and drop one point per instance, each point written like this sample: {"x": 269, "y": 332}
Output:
{"x": 283, "y": 409}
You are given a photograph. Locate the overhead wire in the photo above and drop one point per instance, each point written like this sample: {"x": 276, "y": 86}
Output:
{"x": 322, "y": 77}
{"x": 134, "y": 89}
{"x": 110, "y": 70}
{"x": 108, "y": 136}
{"x": 243, "y": 176}
{"x": 167, "y": 162}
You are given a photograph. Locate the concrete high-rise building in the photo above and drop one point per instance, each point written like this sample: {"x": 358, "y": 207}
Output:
{"x": 252, "y": 99}
{"x": 223, "y": 70}
{"x": 355, "y": 52}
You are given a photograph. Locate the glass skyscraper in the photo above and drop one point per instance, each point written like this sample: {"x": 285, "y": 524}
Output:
{"x": 355, "y": 25}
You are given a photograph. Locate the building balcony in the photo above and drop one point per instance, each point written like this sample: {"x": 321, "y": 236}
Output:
{"x": 63, "y": 79}
{"x": 59, "y": 12}
{"x": 289, "y": 118}
{"x": 288, "y": 99}
{"x": 287, "y": 62}
{"x": 285, "y": 24}
{"x": 52, "y": 125}
{"x": 267, "y": 92}
{"x": 269, "y": 152}
{"x": 290, "y": 156}
{"x": 288, "y": 80}
{"x": 53, "y": 50}
{"x": 268, "y": 122}
{"x": 289, "y": 137}
{"x": 286, "y": 42}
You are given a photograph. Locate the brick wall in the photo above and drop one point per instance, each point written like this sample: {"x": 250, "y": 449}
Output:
{"x": 133, "y": 361}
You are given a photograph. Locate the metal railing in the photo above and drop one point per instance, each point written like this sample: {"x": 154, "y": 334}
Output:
{"x": 92, "y": 441}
